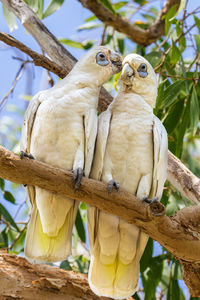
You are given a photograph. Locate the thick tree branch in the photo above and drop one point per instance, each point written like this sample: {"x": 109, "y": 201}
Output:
{"x": 21, "y": 280}
{"x": 172, "y": 232}
{"x": 48, "y": 42}
{"x": 132, "y": 31}
{"x": 183, "y": 179}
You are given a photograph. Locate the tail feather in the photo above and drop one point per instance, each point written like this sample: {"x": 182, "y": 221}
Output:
{"x": 41, "y": 247}
{"x": 114, "y": 273}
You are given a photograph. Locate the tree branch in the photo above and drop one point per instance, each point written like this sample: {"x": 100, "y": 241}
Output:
{"x": 21, "y": 280}
{"x": 171, "y": 232}
{"x": 48, "y": 42}
{"x": 177, "y": 173}
{"x": 38, "y": 59}
{"x": 183, "y": 179}
{"x": 123, "y": 25}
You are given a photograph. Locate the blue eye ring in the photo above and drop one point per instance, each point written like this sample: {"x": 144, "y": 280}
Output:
{"x": 101, "y": 59}
{"x": 142, "y": 70}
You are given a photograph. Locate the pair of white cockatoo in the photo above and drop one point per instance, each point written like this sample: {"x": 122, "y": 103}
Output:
{"x": 60, "y": 128}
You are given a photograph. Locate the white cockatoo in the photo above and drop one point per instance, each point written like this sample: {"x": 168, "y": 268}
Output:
{"x": 131, "y": 152}
{"x": 60, "y": 129}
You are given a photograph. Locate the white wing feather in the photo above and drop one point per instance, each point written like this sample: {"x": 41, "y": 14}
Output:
{"x": 103, "y": 132}
{"x": 28, "y": 123}
{"x": 160, "y": 144}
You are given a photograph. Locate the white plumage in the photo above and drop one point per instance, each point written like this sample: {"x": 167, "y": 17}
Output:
{"x": 60, "y": 129}
{"x": 131, "y": 149}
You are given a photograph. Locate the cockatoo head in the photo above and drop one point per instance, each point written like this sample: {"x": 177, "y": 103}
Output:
{"x": 99, "y": 64}
{"x": 139, "y": 77}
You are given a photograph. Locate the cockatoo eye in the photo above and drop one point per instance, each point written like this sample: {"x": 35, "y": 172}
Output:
{"x": 142, "y": 70}
{"x": 101, "y": 59}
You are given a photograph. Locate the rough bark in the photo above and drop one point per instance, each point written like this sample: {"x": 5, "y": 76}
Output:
{"x": 21, "y": 280}
{"x": 183, "y": 179}
{"x": 121, "y": 24}
{"x": 191, "y": 276}
{"x": 173, "y": 232}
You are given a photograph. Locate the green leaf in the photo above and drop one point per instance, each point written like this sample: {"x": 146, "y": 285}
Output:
{"x": 3, "y": 239}
{"x": 173, "y": 291}
{"x": 9, "y": 197}
{"x": 33, "y": 4}
{"x": 147, "y": 256}
{"x": 2, "y": 184}
{"x": 194, "y": 112}
{"x": 71, "y": 43}
{"x": 40, "y": 9}
{"x": 8, "y": 217}
{"x": 171, "y": 93}
{"x": 119, "y": 4}
{"x": 152, "y": 277}
{"x": 153, "y": 58}
{"x": 160, "y": 95}
{"x": 89, "y": 25}
{"x": 136, "y": 297}
{"x": 120, "y": 43}
{"x": 53, "y": 6}
{"x": 172, "y": 207}
{"x": 173, "y": 117}
{"x": 169, "y": 16}
{"x": 197, "y": 22}
{"x": 108, "y": 5}
{"x": 10, "y": 18}
{"x": 174, "y": 54}
{"x": 182, "y": 129}
{"x": 181, "y": 6}
{"x": 84, "y": 45}
{"x": 80, "y": 227}
{"x": 197, "y": 40}
{"x": 92, "y": 18}
{"x": 65, "y": 265}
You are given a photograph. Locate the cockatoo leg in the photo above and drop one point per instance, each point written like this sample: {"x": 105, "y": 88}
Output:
{"x": 24, "y": 154}
{"x": 78, "y": 174}
{"x": 150, "y": 201}
{"x": 112, "y": 183}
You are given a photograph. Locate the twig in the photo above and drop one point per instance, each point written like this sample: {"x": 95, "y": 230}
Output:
{"x": 17, "y": 238}
{"x": 17, "y": 77}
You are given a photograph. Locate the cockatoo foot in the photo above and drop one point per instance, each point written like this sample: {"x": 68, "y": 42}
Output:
{"x": 157, "y": 208}
{"x": 147, "y": 200}
{"x": 112, "y": 183}
{"x": 24, "y": 154}
{"x": 78, "y": 174}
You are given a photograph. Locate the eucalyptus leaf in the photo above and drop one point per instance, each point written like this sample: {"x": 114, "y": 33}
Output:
{"x": 53, "y": 6}
{"x": 194, "y": 112}
{"x": 80, "y": 227}
{"x": 9, "y": 197}
{"x": 10, "y": 18}
{"x": 171, "y": 93}
{"x": 8, "y": 217}
{"x": 108, "y": 5}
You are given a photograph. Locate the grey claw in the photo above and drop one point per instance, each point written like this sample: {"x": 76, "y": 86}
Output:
{"x": 24, "y": 154}
{"x": 112, "y": 183}
{"x": 78, "y": 174}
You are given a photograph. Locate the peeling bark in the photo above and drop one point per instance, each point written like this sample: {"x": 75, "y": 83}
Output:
{"x": 183, "y": 179}
{"x": 183, "y": 228}
{"x": 22, "y": 280}
{"x": 191, "y": 276}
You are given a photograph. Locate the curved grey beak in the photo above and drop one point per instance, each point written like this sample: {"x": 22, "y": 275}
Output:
{"x": 127, "y": 71}
{"x": 116, "y": 61}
